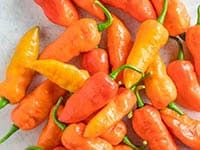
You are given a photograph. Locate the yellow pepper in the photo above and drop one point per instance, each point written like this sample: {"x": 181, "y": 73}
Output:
{"x": 66, "y": 76}
{"x": 18, "y": 77}
{"x": 150, "y": 37}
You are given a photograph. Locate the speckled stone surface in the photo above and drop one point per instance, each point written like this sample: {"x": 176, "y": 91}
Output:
{"x": 17, "y": 16}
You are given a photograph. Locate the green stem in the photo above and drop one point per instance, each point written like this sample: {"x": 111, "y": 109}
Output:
{"x": 198, "y": 15}
{"x": 61, "y": 125}
{"x": 162, "y": 16}
{"x": 173, "y": 106}
{"x": 140, "y": 102}
{"x": 109, "y": 20}
{"x": 116, "y": 72}
{"x": 180, "y": 48}
{"x": 33, "y": 148}
{"x": 127, "y": 141}
{"x": 12, "y": 130}
{"x": 3, "y": 102}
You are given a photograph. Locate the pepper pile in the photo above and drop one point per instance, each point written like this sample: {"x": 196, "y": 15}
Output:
{"x": 87, "y": 106}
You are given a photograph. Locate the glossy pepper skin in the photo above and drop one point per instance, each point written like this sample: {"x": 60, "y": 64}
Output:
{"x": 96, "y": 92}
{"x": 145, "y": 49}
{"x": 186, "y": 129}
{"x": 183, "y": 75}
{"x": 119, "y": 43}
{"x": 90, "y": 7}
{"x": 96, "y": 61}
{"x": 18, "y": 77}
{"x": 122, "y": 147}
{"x": 141, "y": 10}
{"x": 115, "y": 134}
{"x": 35, "y": 107}
{"x": 51, "y": 134}
{"x": 78, "y": 142}
{"x": 177, "y": 19}
{"x": 160, "y": 89}
{"x": 66, "y": 76}
{"x": 61, "y": 12}
{"x": 107, "y": 117}
{"x": 148, "y": 125}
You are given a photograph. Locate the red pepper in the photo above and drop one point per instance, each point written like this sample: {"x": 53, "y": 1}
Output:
{"x": 60, "y": 12}
{"x": 96, "y": 61}
{"x": 60, "y": 148}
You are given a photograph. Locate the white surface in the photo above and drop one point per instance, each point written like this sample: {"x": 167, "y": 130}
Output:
{"x": 16, "y": 17}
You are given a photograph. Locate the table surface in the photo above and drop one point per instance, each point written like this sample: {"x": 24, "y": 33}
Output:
{"x": 16, "y": 17}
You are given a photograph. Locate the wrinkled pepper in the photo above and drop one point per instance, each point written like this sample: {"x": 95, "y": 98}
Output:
{"x": 34, "y": 108}
{"x": 18, "y": 77}
{"x": 160, "y": 89}
{"x": 61, "y": 12}
{"x": 148, "y": 125}
{"x": 151, "y": 36}
{"x": 66, "y": 76}
{"x": 82, "y": 36}
{"x": 177, "y": 19}
{"x": 186, "y": 129}
{"x": 119, "y": 43}
{"x": 193, "y": 43}
{"x": 95, "y": 61}
{"x": 90, "y": 7}
{"x": 96, "y": 92}
{"x": 141, "y": 10}
{"x": 183, "y": 75}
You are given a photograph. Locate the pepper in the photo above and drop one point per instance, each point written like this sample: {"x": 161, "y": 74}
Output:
{"x": 60, "y": 148}
{"x": 61, "y": 12}
{"x": 193, "y": 43}
{"x": 81, "y": 36}
{"x": 34, "y": 108}
{"x": 65, "y": 75}
{"x": 90, "y": 7}
{"x": 140, "y": 10}
{"x": 145, "y": 49}
{"x": 159, "y": 87}
{"x": 118, "y": 43}
{"x": 96, "y": 61}
{"x": 177, "y": 19}
{"x": 122, "y": 147}
{"x": 18, "y": 77}
{"x": 183, "y": 127}
{"x": 96, "y": 92}
{"x": 148, "y": 125}
{"x": 115, "y": 134}
{"x": 183, "y": 75}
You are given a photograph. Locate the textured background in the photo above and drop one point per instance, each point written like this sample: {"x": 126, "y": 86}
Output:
{"x": 16, "y": 17}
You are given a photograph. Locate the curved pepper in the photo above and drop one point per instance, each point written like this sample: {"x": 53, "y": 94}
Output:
{"x": 80, "y": 142}
{"x": 115, "y": 134}
{"x": 117, "y": 108}
{"x": 177, "y": 19}
{"x": 82, "y": 36}
{"x": 141, "y": 10}
{"x": 91, "y": 7}
{"x": 66, "y": 76}
{"x": 18, "y": 77}
{"x": 186, "y": 129}
{"x": 61, "y": 12}
{"x": 148, "y": 125}
{"x": 159, "y": 87}
{"x": 193, "y": 42}
{"x": 118, "y": 43}
{"x": 183, "y": 75}
{"x": 34, "y": 108}
{"x": 95, "y": 61}
{"x": 150, "y": 38}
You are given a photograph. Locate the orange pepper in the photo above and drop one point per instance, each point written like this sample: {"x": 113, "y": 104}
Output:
{"x": 151, "y": 36}
{"x": 60, "y": 148}
{"x": 160, "y": 89}
{"x": 91, "y": 7}
{"x": 177, "y": 19}
{"x": 61, "y": 12}
{"x": 122, "y": 147}
{"x": 18, "y": 77}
